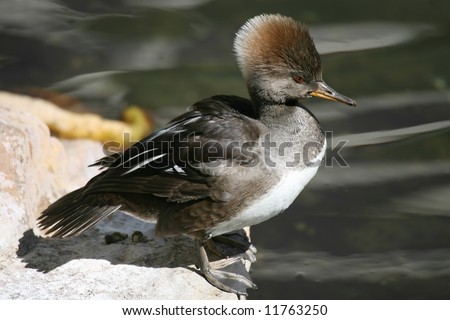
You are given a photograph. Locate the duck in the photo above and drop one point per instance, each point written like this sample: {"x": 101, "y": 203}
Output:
{"x": 227, "y": 163}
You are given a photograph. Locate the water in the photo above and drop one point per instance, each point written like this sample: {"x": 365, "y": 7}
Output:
{"x": 378, "y": 228}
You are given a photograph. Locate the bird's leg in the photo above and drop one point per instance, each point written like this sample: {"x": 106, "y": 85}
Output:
{"x": 229, "y": 274}
{"x": 213, "y": 248}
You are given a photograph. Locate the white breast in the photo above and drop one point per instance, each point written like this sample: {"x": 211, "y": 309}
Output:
{"x": 276, "y": 201}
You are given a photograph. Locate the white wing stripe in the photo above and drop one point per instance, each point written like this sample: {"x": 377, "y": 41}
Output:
{"x": 139, "y": 154}
{"x": 143, "y": 163}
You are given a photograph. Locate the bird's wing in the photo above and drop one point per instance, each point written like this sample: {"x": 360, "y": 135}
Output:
{"x": 181, "y": 161}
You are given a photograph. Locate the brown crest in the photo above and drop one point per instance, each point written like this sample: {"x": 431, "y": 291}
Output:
{"x": 271, "y": 41}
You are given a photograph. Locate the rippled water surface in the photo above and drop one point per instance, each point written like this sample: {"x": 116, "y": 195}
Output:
{"x": 377, "y": 228}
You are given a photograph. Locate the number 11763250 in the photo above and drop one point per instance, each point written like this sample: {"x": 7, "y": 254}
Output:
{"x": 296, "y": 310}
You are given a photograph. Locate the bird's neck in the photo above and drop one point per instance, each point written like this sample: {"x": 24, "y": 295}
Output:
{"x": 275, "y": 114}
{"x": 271, "y": 106}
{"x": 288, "y": 122}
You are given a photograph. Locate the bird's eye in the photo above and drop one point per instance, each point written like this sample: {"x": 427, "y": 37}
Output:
{"x": 299, "y": 79}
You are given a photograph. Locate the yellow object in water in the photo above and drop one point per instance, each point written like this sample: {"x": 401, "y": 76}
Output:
{"x": 71, "y": 125}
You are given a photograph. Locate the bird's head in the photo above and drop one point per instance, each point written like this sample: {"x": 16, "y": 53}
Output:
{"x": 279, "y": 61}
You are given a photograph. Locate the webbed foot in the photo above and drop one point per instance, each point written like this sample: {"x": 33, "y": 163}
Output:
{"x": 228, "y": 274}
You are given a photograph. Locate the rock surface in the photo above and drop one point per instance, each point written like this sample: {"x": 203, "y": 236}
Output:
{"x": 35, "y": 170}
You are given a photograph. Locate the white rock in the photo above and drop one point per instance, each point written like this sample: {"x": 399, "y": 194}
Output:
{"x": 30, "y": 174}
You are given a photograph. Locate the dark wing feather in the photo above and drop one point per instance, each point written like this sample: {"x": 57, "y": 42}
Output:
{"x": 165, "y": 163}
{"x": 73, "y": 214}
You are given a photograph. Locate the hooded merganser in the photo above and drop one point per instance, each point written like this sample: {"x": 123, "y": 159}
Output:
{"x": 228, "y": 162}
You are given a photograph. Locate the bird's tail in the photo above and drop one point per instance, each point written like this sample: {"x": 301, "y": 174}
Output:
{"x": 73, "y": 214}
